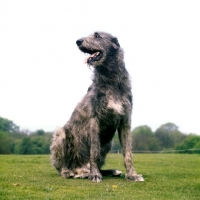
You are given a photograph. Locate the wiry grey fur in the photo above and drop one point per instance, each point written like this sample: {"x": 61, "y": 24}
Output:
{"x": 79, "y": 148}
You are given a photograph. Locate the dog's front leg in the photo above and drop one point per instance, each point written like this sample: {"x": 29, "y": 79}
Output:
{"x": 95, "y": 174}
{"x": 125, "y": 140}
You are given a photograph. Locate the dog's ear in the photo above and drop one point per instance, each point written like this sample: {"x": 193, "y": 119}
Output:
{"x": 115, "y": 41}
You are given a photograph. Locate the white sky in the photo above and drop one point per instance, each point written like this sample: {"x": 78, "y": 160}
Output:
{"x": 42, "y": 75}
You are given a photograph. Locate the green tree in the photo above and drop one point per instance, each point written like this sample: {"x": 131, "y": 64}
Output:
{"x": 25, "y": 146}
{"x": 22, "y": 142}
{"x": 8, "y": 126}
{"x": 40, "y": 145}
{"x": 143, "y": 139}
{"x": 190, "y": 145}
{"x": 40, "y": 132}
{"x": 5, "y": 143}
{"x": 169, "y": 135}
{"x": 177, "y": 137}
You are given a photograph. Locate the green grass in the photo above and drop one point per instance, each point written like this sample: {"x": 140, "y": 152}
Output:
{"x": 167, "y": 176}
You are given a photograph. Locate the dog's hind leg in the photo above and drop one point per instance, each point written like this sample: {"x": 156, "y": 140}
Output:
{"x": 58, "y": 153}
{"x": 56, "y": 149}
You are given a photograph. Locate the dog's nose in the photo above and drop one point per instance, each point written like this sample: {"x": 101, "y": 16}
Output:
{"x": 79, "y": 42}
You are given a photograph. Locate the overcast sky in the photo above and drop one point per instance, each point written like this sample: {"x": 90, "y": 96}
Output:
{"x": 42, "y": 75}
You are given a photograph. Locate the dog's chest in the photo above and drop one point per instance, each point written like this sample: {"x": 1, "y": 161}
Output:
{"x": 115, "y": 106}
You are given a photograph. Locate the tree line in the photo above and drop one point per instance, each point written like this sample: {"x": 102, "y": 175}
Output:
{"x": 14, "y": 141}
{"x": 167, "y": 138}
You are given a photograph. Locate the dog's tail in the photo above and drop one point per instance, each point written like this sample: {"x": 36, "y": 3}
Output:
{"x": 56, "y": 149}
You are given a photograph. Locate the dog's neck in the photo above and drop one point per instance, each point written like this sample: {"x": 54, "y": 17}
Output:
{"x": 115, "y": 77}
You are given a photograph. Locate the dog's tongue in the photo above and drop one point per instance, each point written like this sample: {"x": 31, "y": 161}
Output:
{"x": 89, "y": 57}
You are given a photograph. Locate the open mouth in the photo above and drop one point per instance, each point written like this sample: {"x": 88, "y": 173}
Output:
{"x": 94, "y": 55}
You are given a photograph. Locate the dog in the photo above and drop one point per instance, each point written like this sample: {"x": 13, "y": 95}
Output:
{"x": 80, "y": 147}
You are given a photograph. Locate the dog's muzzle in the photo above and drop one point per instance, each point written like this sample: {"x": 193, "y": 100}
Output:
{"x": 95, "y": 55}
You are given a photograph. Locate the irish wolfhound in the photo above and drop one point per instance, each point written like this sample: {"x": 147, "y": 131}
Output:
{"x": 79, "y": 148}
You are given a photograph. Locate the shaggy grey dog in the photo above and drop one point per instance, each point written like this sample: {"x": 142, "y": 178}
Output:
{"x": 79, "y": 148}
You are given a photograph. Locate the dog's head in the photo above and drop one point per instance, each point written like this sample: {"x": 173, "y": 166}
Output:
{"x": 99, "y": 46}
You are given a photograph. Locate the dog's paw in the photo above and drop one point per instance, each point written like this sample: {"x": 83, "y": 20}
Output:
{"x": 135, "y": 178}
{"x": 97, "y": 178}
{"x": 66, "y": 173}
{"x": 117, "y": 173}
{"x": 82, "y": 172}
{"x": 81, "y": 176}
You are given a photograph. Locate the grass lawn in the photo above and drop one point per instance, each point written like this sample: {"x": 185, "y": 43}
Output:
{"x": 167, "y": 176}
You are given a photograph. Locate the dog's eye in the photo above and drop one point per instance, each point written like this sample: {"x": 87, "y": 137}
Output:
{"x": 96, "y": 35}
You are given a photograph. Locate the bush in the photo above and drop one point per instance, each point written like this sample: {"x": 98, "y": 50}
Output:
{"x": 190, "y": 145}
